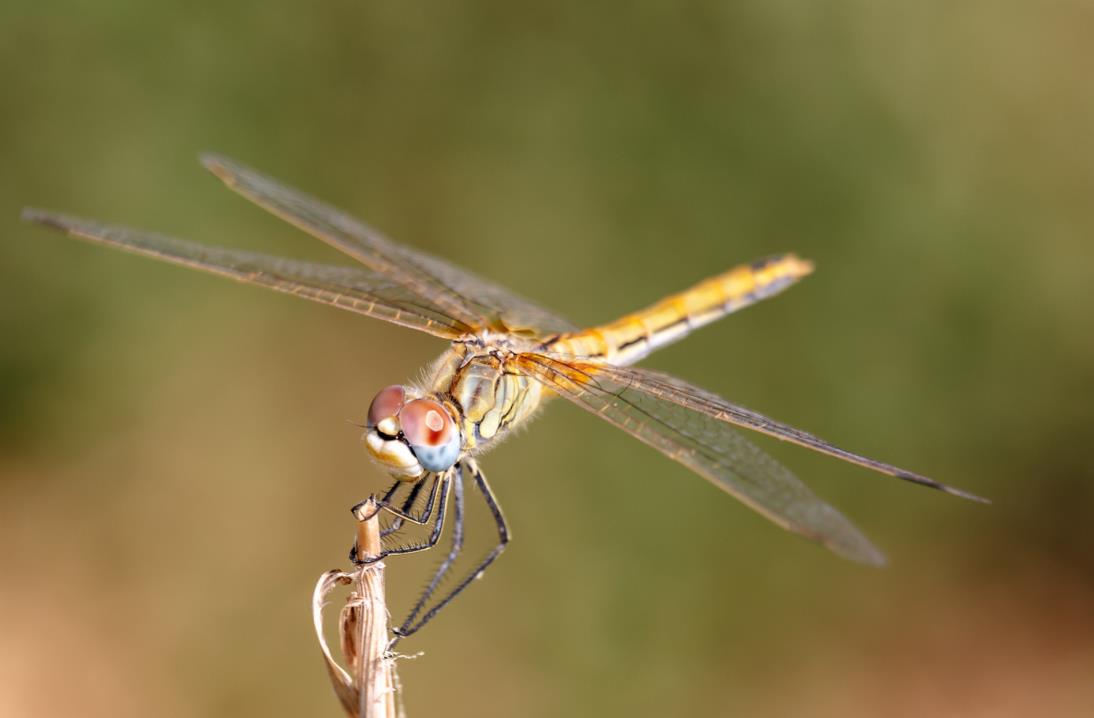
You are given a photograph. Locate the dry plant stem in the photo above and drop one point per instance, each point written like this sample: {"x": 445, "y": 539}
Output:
{"x": 368, "y": 688}
{"x": 374, "y": 670}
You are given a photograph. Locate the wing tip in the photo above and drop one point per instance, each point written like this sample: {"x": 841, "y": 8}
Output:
{"x": 46, "y": 218}
{"x": 854, "y": 547}
{"x": 938, "y": 485}
{"x": 965, "y": 495}
{"x": 873, "y": 558}
{"x": 219, "y": 165}
{"x": 32, "y": 214}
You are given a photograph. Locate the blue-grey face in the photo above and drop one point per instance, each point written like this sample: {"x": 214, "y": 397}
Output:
{"x": 411, "y": 438}
{"x": 437, "y": 458}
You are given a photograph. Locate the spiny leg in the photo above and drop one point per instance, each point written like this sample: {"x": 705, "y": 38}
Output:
{"x": 358, "y": 509}
{"x": 438, "y": 522}
{"x": 503, "y": 539}
{"x": 444, "y": 481}
{"x": 405, "y": 512}
{"x": 453, "y": 552}
{"x": 408, "y": 505}
{"x": 384, "y": 503}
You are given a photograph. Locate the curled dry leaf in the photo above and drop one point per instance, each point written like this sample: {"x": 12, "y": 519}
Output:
{"x": 339, "y": 677}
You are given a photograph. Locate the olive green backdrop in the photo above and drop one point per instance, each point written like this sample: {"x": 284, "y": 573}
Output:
{"x": 175, "y": 460}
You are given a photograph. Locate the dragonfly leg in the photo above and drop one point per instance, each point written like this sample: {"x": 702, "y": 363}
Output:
{"x": 410, "y": 627}
{"x": 405, "y": 513}
{"x": 453, "y": 552}
{"x": 434, "y": 535}
{"x": 358, "y": 509}
{"x": 444, "y": 482}
{"x": 408, "y": 505}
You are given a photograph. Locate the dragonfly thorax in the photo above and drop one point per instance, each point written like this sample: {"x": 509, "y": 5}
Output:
{"x": 488, "y": 397}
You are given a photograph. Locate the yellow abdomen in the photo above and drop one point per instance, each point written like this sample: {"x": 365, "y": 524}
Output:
{"x": 634, "y": 336}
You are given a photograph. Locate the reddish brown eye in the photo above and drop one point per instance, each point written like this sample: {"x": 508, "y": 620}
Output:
{"x": 386, "y": 404}
{"x": 426, "y": 423}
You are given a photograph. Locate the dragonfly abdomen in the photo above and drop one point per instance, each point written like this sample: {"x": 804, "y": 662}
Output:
{"x": 631, "y": 338}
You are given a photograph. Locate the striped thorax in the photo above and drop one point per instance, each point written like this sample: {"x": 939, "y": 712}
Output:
{"x": 471, "y": 401}
{"x": 491, "y": 399}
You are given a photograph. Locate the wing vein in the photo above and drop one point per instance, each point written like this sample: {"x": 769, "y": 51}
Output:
{"x": 705, "y": 445}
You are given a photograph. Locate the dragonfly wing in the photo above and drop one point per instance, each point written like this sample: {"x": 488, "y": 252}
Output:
{"x": 692, "y": 397}
{"x": 355, "y": 289}
{"x": 705, "y": 445}
{"x": 471, "y": 299}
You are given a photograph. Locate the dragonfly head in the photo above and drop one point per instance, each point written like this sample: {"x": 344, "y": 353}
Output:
{"x": 411, "y": 435}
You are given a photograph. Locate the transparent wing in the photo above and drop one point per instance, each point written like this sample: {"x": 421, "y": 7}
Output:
{"x": 355, "y": 289}
{"x": 705, "y": 445}
{"x": 474, "y": 301}
{"x": 691, "y": 397}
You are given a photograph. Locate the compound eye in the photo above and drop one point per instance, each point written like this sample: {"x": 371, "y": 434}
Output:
{"x": 431, "y": 434}
{"x": 426, "y": 423}
{"x": 386, "y": 404}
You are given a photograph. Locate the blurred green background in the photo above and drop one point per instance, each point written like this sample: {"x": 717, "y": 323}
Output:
{"x": 175, "y": 464}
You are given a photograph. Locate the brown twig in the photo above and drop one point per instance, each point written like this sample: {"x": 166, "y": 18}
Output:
{"x": 368, "y": 688}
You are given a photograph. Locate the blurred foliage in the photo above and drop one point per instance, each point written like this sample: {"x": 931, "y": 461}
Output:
{"x": 164, "y": 435}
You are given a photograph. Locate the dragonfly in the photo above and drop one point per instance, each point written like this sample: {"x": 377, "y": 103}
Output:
{"x": 506, "y": 357}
